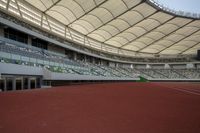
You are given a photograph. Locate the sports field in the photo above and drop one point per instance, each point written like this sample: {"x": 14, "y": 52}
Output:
{"x": 103, "y": 108}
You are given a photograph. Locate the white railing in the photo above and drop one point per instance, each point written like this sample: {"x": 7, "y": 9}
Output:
{"x": 180, "y": 13}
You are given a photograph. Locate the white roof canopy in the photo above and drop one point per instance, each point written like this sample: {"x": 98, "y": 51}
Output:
{"x": 130, "y": 27}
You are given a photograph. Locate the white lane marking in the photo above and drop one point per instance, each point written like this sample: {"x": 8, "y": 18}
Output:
{"x": 195, "y": 90}
{"x": 179, "y": 89}
{"x": 186, "y": 91}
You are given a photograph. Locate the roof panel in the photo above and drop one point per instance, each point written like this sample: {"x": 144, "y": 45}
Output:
{"x": 144, "y": 9}
{"x": 195, "y": 37}
{"x": 87, "y": 25}
{"x": 112, "y": 30}
{"x": 129, "y": 36}
{"x": 62, "y": 11}
{"x": 170, "y": 52}
{"x": 99, "y": 1}
{"x": 48, "y": 3}
{"x": 115, "y": 7}
{"x": 186, "y": 43}
{"x": 193, "y": 50}
{"x": 161, "y": 17}
{"x": 105, "y": 34}
{"x": 80, "y": 27}
{"x": 41, "y": 4}
{"x": 120, "y": 24}
{"x": 167, "y": 28}
{"x": 97, "y": 37}
{"x": 114, "y": 43}
{"x": 131, "y": 17}
{"x": 186, "y": 30}
{"x": 179, "y": 21}
{"x": 73, "y": 6}
{"x": 165, "y": 43}
{"x": 197, "y": 33}
{"x": 145, "y": 40}
{"x": 131, "y": 3}
{"x": 178, "y": 47}
{"x": 196, "y": 23}
{"x": 155, "y": 46}
{"x": 121, "y": 40}
{"x": 150, "y": 50}
{"x": 138, "y": 44}
{"x": 155, "y": 35}
{"x": 54, "y": 1}
{"x": 148, "y": 24}
{"x": 138, "y": 31}
{"x": 131, "y": 47}
{"x": 128, "y": 24}
{"x": 93, "y": 20}
{"x": 174, "y": 37}
{"x": 59, "y": 16}
{"x": 86, "y": 4}
{"x": 103, "y": 14}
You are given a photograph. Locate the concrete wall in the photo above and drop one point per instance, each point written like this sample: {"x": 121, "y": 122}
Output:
{"x": 14, "y": 69}
{"x": 158, "y": 66}
{"x": 182, "y": 66}
{"x": 64, "y": 76}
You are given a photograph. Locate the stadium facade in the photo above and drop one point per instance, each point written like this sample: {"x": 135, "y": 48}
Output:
{"x": 44, "y": 43}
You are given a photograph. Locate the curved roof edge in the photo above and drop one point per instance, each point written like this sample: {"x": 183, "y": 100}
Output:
{"x": 184, "y": 14}
{"x": 103, "y": 46}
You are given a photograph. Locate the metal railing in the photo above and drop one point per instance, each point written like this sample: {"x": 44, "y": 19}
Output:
{"x": 179, "y": 13}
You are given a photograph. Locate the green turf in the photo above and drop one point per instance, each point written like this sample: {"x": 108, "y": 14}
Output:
{"x": 142, "y": 79}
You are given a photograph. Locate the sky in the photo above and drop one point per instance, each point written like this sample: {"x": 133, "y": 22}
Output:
{"x": 192, "y": 6}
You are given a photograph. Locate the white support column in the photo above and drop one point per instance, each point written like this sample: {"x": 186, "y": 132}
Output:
{"x": 148, "y": 66}
{"x": 167, "y": 66}
{"x": 131, "y": 66}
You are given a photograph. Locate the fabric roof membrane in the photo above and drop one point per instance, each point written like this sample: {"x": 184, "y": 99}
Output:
{"x": 131, "y": 26}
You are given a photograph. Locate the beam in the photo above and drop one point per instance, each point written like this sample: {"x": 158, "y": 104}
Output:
{"x": 51, "y": 6}
{"x": 116, "y": 17}
{"x": 86, "y": 13}
{"x": 178, "y": 41}
{"x": 147, "y": 32}
{"x": 167, "y": 35}
{"x": 189, "y": 48}
{"x": 131, "y": 27}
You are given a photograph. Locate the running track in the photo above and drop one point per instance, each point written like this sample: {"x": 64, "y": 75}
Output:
{"x": 103, "y": 108}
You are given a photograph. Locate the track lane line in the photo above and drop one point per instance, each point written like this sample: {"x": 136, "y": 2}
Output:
{"x": 180, "y": 89}
{"x": 187, "y": 91}
{"x": 194, "y": 90}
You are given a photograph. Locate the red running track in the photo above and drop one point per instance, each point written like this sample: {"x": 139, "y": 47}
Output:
{"x": 103, "y": 108}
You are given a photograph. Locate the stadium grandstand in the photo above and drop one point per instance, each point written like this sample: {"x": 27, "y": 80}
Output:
{"x": 103, "y": 43}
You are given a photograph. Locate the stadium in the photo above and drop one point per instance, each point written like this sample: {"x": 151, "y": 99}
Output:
{"x": 92, "y": 66}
